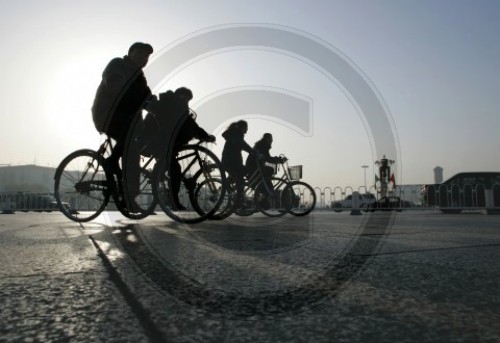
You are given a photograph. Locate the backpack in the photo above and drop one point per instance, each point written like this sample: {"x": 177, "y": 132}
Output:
{"x": 163, "y": 120}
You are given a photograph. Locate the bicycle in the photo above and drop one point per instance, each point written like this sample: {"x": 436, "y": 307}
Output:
{"x": 87, "y": 180}
{"x": 199, "y": 170}
{"x": 299, "y": 196}
{"x": 273, "y": 200}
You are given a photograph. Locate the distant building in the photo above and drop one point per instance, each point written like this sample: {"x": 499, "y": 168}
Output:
{"x": 438, "y": 175}
{"x": 26, "y": 178}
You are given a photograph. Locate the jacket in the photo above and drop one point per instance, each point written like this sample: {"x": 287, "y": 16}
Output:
{"x": 231, "y": 154}
{"x": 119, "y": 96}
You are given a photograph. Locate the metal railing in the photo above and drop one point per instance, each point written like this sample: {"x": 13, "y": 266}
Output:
{"x": 452, "y": 198}
{"x": 27, "y": 201}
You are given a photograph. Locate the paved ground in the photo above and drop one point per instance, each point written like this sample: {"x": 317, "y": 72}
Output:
{"x": 326, "y": 277}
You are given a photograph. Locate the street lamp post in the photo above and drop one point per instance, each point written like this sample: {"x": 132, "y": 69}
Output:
{"x": 364, "y": 168}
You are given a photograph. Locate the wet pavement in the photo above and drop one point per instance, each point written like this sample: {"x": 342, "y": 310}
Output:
{"x": 327, "y": 277}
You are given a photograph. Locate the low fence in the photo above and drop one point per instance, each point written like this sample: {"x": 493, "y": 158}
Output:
{"x": 27, "y": 201}
{"x": 452, "y": 198}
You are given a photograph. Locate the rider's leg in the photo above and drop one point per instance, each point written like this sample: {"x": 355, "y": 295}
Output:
{"x": 268, "y": 173}
{"x": 131, "y": 159}
{"x": 116, "y": 154}
{"x": 175, "y": 180}
{"x": 237, "y": 174}
{"x": 266, "y": 188}
{"x": 239, "y": 180}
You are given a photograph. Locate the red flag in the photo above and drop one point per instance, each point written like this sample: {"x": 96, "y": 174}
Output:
{"x": 393, "y": 180}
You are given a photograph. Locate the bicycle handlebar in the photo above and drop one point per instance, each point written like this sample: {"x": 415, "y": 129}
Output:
{"x": 283, "y": 158}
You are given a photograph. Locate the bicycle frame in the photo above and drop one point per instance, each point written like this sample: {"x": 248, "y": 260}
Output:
{"x": 113, "y": 184}
{"x": 257, "y": 181}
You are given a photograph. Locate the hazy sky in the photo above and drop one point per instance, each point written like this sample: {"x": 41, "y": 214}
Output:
{"x": 434, "y": 63}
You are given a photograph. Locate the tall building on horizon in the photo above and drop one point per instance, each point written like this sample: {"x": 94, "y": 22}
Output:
{"x": 438, "y": 175}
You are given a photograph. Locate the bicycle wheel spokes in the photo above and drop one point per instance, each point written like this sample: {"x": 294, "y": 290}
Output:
{"x": 206, "y": 196}
{"x": 198, "y": 165}
{"x": 279, "y": 202}
{"x": 80, "y": 186}
{"x": 244, "y": 205}
{"x": 146, "y": 200}
{"x": 303, "y": 199}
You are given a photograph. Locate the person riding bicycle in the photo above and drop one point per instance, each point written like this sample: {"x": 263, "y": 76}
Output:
{"x": 167, "y": 128}
{"x": 121, "y": 95}
{"x": 262, "y": 149}
{"x": 188, "y": 131}
{"x": 232, "y": 160}
{"x": 190, "y": 128}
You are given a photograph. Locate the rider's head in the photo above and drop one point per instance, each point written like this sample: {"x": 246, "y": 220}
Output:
{"x": 243, "y": 126}
{"x": 184, "y": 93}
{"x": 139, "y": 53}
{"x": 268, "y": 137}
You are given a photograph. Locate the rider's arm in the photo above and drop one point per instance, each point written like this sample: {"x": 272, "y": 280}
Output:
{"x": 196, "y": 131}
{"x": 246, "y": 147}
{"x": 274, "y": 159}
{"x": 200, "y": 133}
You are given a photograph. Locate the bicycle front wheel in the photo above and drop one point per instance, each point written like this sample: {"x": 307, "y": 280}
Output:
{"x": 303, "y": 198}
{"x": 176, "y": 181}
{"x": 80, "y": 186}
{"x": 146, "y": 199}
{"x": 145, "y": 202}
{"x": 207, "y": 193}
{"x": 279, "y": 202}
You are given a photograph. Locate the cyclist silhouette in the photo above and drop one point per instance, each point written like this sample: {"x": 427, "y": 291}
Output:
{"x": 262, "y": 148}
{"x": 168, "y": 126}
{"x": 232, "y": 159}
{"x": 188, "y": 131}
{"x": 121, "y": 95}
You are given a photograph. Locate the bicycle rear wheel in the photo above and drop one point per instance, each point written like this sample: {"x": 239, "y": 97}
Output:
{"x": 80, "y": 186}
{"x": 198, "y": 164}
{"x": 303, "y": 198}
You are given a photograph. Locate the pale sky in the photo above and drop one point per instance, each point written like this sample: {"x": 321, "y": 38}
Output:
{"x": 434, "y": 63}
